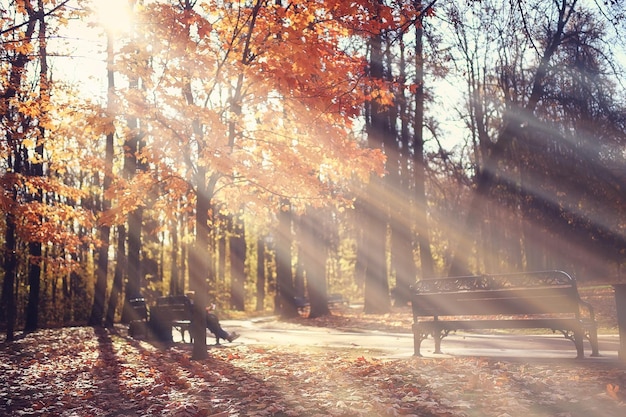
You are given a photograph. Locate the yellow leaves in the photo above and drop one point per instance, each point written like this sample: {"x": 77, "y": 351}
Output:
{"x": 28, "y": 143}
{"x": 22, "y": 48}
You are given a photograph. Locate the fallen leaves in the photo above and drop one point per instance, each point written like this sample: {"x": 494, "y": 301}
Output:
{"x": 94, "y": 372}
{"x": 613, "y": 391}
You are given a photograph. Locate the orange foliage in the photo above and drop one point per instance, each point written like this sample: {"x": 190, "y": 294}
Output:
{"x": 262, "y": 97}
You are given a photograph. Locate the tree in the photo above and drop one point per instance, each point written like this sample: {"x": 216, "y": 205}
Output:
{"x": 102, "y": 267}
{"x": 521, "y": 120}
{"x": 15, "y": 64}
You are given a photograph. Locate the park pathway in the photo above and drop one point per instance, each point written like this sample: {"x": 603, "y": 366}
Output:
{"x": 270, "y": 331}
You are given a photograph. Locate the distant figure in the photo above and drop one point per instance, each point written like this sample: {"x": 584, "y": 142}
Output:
{"x": 213, "y": 324}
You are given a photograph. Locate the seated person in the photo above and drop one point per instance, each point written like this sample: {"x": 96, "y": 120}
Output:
{"x": 213, "y": 324}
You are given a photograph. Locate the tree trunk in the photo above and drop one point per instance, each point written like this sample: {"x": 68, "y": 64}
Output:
{"x": 285, "y": 305}
{"x": 376, "y": 290}
{"x": 419, "y": 163}
{"x": 237, "y": 243}
{"x": 201, "y": 266}
{"x": 134, "y": 273}
{"x": 102, "y": 265}
{"x": 36, "y": 169}
{"x": 224, "y": 229}
{"x": 314, "y": 238}
{"x": 260, "y": 274}
{"x": 373, "y": 205}
{"x": 118, "y": 276}
{"x": 176, "y": 287}
{"x": 10, "y": 272}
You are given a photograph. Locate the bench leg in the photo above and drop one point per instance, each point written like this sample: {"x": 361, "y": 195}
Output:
{"x": 188, "y": 331}
{"x": 438, "y": 335}
{"x": 593, "y": 339}
{"x": 417, "y": 341}
{"x": 578, "y": 341}
{"x": 418, "y": 336}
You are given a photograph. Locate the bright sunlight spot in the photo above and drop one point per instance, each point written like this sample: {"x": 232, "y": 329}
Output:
{"x": 115, "y": 16}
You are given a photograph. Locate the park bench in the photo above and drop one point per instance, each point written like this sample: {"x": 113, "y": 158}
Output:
{"x": 537, "y": 300}
{"x": 137, "y": 327}
{"x": 171, "y": 312}
{"x": 334, "y": 300}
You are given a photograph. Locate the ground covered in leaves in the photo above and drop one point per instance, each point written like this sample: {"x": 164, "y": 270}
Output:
{"x": 86, "y": 371}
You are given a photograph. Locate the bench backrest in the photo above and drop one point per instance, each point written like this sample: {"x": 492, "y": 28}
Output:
{"x": 139, "y": 308}
{"x": 534, "y": 293}
{"x": 176, "y": 307}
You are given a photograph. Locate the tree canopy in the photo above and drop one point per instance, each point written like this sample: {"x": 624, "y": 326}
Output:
{"x": 303, "y": 147}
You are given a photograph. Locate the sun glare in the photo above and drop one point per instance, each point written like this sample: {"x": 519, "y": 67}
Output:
{"x": 115, "y": 16}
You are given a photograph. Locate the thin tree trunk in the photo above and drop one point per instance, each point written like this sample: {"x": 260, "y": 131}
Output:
{"x": 10, "y": 272}
{"x": 260, "y": 275}
{"x": 373, "y": 205}
{"x": 175, "y": 276}
{"x": 118, "y": 276}
{"x": 102, "y": 265}
{"x": 401, "y": 213}
{"x": 224, "y": 226}
{"x": 36, "y": 170}
{"x": 237, "y": 243}
{"x": 201, "y": 267}
{"x": 285, "y": 305}
{"x": 423, "y": 230}
{"x": 314, "y": 237}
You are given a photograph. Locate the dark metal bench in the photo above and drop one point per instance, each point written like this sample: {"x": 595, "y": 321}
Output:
{"x": 137, "y": 327}
{"x": 334, "y": 300}
{"x": 172, "y": 312}
{"x": 547, "y": 299}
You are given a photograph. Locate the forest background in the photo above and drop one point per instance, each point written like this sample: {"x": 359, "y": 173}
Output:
{"x": 255, "y": 151}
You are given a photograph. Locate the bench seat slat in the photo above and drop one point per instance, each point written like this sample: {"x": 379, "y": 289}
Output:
{"x": 535, "y": 323}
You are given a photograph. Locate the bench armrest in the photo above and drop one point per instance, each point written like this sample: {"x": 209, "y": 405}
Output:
{"x": 586, "y": 311}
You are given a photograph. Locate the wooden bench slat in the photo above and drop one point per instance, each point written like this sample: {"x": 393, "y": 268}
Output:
{"x": 537, "y": 323}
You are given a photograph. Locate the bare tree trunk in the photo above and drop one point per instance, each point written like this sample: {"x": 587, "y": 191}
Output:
{"x": 118, "y": 276}
{"x": 176, "y": 287}
{"x": 237, "y": 243}
{"x": 10, "y": 272}
{"x": 285, "y": 305}
{"x": 36, "y": 168}
{"x": 102, "y": 265}
{"x": 419, "y": 165}
{"x": 201, "y": 266}
{"x": 260, "y": 275}
{"x": 224, "y": 230}
{"x": 314, "y": 237}
{"x": 373, "y": 205}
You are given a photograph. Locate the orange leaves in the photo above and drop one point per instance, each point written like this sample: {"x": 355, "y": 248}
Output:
{"x": 263, "y": 99}
{"x": 93, "y": 371}
{"x": 613, "y": 392}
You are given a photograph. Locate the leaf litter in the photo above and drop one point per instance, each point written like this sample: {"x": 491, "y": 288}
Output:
{"x": 85, "y": 371}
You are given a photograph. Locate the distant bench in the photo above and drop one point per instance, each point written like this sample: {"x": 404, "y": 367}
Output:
{"x": 534, "y": 300}
{"x": 334, "y": 300}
